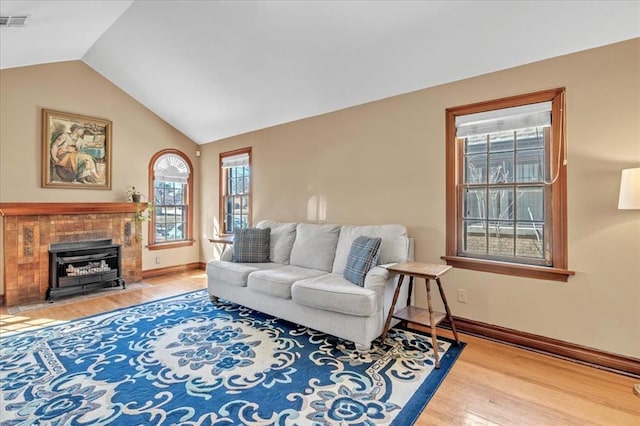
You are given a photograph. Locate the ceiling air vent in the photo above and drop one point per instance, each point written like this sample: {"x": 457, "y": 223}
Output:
{"x": 13, "y": 21}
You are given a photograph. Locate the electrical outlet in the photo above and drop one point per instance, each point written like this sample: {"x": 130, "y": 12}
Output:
{"x": 462, "y": 295}
{"x": 158, "y": 262}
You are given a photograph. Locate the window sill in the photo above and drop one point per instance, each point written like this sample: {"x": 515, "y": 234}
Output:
{"x": 163, "y": 246}
{"x": 505, "y": 268}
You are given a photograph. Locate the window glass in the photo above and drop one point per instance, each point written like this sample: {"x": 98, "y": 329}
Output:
{"x": 510, "y": 207}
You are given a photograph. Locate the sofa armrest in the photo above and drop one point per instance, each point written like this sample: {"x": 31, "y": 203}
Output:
{"x": 376, "y": 277}
{"x": 227, "y": 254}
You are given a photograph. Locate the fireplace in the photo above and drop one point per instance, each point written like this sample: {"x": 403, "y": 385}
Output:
{"x": 81, "y": 266}
{"x": 31, "y": 228}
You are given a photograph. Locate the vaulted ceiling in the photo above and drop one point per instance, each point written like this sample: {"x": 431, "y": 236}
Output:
{"x": 214, "y": 69}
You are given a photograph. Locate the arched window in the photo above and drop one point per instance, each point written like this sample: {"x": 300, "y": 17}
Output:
{"x": 171, "y": 190}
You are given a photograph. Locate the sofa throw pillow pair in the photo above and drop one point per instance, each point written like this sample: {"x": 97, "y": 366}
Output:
{"x": 362, "y": 257}
{"x": 251, "y": 245}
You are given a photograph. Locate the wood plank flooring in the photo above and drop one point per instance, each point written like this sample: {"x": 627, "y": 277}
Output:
{"x": 490, "y": 384}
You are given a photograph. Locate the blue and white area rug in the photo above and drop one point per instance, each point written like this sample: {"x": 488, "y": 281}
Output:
{"x": 185, "y": 361}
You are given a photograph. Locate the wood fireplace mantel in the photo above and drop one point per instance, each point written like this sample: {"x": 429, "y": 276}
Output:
{"x": 37, "y": 209}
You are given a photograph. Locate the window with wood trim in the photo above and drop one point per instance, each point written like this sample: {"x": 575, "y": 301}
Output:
{"x": 235, "y": 190}
{"x": 171, "y": 189}
{"x": 506, "y": 186}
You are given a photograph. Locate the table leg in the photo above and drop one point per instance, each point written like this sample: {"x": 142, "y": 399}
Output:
{"x": 410, "y": 290}
{"x": 446, "y": 307}
{"x": 391, "y": 309}
{"x": 434, "y": 337}
{"x": 406, "y": 323}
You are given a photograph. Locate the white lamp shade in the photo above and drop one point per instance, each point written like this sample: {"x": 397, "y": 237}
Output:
{"x": 630, "y": 190}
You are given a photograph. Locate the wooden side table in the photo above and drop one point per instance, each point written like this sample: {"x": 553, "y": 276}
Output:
{"x": 417, "y": 315}
{"x": 222, "y": 240}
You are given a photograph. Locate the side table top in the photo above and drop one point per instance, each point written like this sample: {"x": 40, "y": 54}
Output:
{"x": 222, "y": 239}
{"x": 421, "y": 270}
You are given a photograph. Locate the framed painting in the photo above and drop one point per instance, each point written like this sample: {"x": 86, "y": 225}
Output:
{"x": 76, "y": 151}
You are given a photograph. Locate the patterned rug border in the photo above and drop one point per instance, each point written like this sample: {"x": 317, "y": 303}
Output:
{"x": 409, "y": 412}
{"x": 414, "y": 407}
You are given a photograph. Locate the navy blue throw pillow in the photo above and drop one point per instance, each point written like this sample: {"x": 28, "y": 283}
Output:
{"x": 362, "y": 257}
{"x": 251, "y": 245}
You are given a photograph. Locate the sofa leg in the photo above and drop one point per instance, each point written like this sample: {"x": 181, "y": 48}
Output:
{"x": 363, "y": 349}
{"x": 213, "y": 298}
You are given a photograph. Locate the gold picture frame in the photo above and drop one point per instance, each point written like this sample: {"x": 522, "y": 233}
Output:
{"x": 76, "y": 151}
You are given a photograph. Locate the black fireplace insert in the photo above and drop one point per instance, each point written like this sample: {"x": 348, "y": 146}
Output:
{"x": 82, "y": 266}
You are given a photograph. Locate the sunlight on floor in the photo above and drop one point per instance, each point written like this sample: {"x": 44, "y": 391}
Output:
{"x": 473, "y": 419}
{"x": 13, "y": 324}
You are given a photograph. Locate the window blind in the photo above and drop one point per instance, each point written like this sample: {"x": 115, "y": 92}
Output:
{"x": 171, "y": 168}
{"x": 235, "y": 160}
{"x": 500, "y": 120}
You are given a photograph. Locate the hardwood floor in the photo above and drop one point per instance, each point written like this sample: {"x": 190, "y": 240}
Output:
{"x": 490, "y": 384}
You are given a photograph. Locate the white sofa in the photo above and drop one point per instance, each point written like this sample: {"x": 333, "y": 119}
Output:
{"x": 304, "y": 281}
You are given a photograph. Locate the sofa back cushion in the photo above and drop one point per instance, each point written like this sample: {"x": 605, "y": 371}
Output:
{"x": 282, "y": 237}
{"x": 394, "y": 246}
{"x": 315, "y": 246}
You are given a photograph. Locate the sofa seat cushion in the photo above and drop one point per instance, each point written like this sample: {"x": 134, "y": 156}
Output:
{"x": 233, "y": 273}
{"x": 332, "y": 292}
{"x": 277, "y": 282}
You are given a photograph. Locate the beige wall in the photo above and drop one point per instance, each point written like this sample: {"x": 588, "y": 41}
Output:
{"x": 76, "y": 88}
{"x": 383, "y": 162}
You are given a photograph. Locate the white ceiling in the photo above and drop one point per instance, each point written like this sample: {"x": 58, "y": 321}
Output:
{"x": 56, "y": 30}
{"x": 214, "y": 69}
